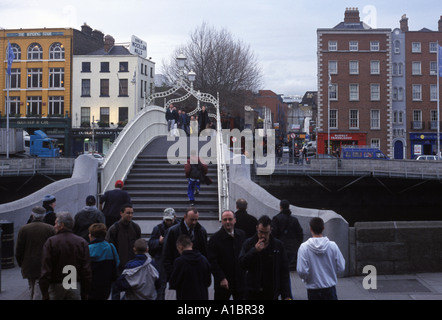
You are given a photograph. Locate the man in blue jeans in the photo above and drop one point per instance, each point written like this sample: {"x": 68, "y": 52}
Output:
{"x": 195, "y": 170}
{"x": 319, "y": 263}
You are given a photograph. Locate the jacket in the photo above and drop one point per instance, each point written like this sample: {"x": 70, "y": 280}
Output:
{"x": 286, "y": 227}
{"x": 319, "y": 263}
{"x": 191, "y": 276}
{"x": 123, "y": 235}
{"x": 86, "y": 217}
{"x": 155, "y": 248}
{"x": 223, "y": 254}
{"x": 104, "y": 265}
{"x": 63, "y": 249}
{"x": 139, "y": 279}
{"x": 251, "y": 260}
{"x": 246, "y": 222}
{"x": 170, "y": 253}
{"x": 29, "y": 247}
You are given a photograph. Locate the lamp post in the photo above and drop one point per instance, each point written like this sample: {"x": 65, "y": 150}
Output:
{"x": 328, "y": 116}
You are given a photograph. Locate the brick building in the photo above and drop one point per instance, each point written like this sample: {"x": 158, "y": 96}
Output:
{"x": 354, "y": 84}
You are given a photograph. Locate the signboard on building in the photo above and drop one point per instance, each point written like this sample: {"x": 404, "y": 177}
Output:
{"x": 138, "y": 47}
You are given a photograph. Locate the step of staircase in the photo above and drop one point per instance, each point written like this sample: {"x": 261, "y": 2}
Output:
{"x": 155, "y": 184}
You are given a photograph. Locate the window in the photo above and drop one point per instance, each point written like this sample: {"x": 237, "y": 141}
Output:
{"x": 354, "y": 92}
{"x": 123, "y": 114}
{"x": 124, "y": 67}
{"x": 35, "y": 76}
{"x": 123, "y": 83}
{"x": 333, "y": 67}
{"x": 433, "y": 92}
{"x": 56, "y": 51}
{"x": 104, "y": 116}
{"x": 104, "y": 87}
{"x": 354, "y": 119}
{"x": 400, "y": 95}
{"x": 416, "y": 68}
{"x": 15, "y": 78}
{"x": 14, "y": 107}
{"x": 353, "y": 46}
{"x": 56, "y": 77}
{"x": 375, "y": 93}
{"x": 85, "y": 87}
{"x": 397, "y": 47}
{"x": 433, "y": 47}
{"x": 400, "y": 118}
{"x": 374, "y": 45}
{"x": 395, "y": 94}
{"x": 333, "y": 123}
{"x": 85, "y": 66}
{"x": 332, "y": 46}
{"x": 354, "y": 67}
{"x": 35, "y": 52}
{"x": 433, "y": 68}
{"x": 104, "y": 67}
{"x": 376, "y": 143}
{"x": 417, "y": 92}
{"x": 417, "y": 119}
{"x": 33, "y": 106}
{"x": 17, "y": 51}
{"x": 56, "y": 105}
{"x": 85, "y": 116}
{"x": 375, "y": 119}
{"x": 333, "y": 92}
{"x": 416, "y": 47}
{"x": 397, "y": 69}
{"x": 433, "y": 119}
{"x": 375, "y": 67}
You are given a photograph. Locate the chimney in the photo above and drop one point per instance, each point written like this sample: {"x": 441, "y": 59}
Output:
{"x": 98, "y": 35}
{"x": 440, "y": 24}
{"x": 109, "y": 42}
{"x": 352, "y": 15}
{"x": 86, "y": 29}
{"x": 404, "y": 23}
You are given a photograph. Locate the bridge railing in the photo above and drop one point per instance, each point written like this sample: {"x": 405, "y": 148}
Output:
{"x": 410, "y": 169}
{"x": 147, "y": 125}
{"x": 32, "y": 166}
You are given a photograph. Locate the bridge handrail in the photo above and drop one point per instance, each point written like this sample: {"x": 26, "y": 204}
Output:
{"x": 388, "y": 168}
{"x": 32, "y": 166}
{"x": 148, "y": 124}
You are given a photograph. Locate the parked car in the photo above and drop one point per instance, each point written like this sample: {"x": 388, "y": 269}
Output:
{"x": 311, "y": 148}
{"x": 323, "y": 156}
{"x": 285, "y": 149}
{"x": 426, "y": 158}
{"x": 98, "y": 156}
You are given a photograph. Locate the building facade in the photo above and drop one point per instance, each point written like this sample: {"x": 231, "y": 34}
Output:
{"x": 109, "y": 87}
{"x": 40, "y": 89}
{"x": 354, "y": 86}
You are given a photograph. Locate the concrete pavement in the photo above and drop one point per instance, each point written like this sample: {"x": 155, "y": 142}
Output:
{"x": 422, "y": 286}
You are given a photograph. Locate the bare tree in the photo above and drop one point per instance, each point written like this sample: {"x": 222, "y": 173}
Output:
{"x": 222, "y": 65}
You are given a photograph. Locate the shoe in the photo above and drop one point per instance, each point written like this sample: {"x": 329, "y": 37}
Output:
{"x": 192, "y": 203}
{"x": 197, "y": 192}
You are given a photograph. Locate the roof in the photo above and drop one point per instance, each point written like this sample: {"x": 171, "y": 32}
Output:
{"x": 114, "y": 51}
{"x": 352, "y": 26}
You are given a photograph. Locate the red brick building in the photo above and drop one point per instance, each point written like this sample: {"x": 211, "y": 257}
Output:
{"x": 354, "y": 83}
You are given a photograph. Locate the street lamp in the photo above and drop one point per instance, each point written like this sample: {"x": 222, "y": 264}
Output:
{"x": 181, "y": 60}
{"x": 191, "y": 75}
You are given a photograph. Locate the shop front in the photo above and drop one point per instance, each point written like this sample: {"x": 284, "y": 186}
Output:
{"x": 423, "y": 144}
{"x": 86, "y": 140}
{"x": 338, "y": 140}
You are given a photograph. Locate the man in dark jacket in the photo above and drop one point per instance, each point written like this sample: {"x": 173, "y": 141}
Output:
{"x": 86, "y": 217}
{"x": 65, "y": 249}
{"x": 266, "y": 263}
{"x": 189, "y": 225}
{"x": 245, "y": 221}
{"x": 113, "y": 200}
{"x": 29, "y": 248}
{"x": 191, "y": 272}
{"x": 203, "y": 119}
{"x": 223, "y": 254}
{"x": 286, "y": 228}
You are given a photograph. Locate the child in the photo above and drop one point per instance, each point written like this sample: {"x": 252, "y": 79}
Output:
{"x": 140, "y": 277}
{"x": 191, "y": 272}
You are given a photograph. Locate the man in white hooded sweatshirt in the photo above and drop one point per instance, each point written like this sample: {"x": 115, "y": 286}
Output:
{"x": 319, "y": 263}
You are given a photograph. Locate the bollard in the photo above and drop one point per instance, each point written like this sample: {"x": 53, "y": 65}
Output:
{"x": 7, "y": 244}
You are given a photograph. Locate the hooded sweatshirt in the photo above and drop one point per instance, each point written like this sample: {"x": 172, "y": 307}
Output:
{"x": 191, "y": 276}
{"x": 319, "y": 263}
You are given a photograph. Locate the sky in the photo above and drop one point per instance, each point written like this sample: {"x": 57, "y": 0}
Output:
{"x": 281, "y": 33}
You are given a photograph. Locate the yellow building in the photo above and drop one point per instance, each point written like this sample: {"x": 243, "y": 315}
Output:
{"x": 41, "y": 75}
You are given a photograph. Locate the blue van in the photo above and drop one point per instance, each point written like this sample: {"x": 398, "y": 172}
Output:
{"x": 363, "y": 153}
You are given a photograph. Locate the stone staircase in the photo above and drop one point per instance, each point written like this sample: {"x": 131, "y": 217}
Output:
{"x": 154, "y": 184}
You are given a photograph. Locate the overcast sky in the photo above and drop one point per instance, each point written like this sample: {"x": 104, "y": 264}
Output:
{"x": 281, "y": 33}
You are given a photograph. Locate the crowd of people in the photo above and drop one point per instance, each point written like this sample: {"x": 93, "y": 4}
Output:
{"x": 191, "y": 125}
{"x": 81, "y": 256}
